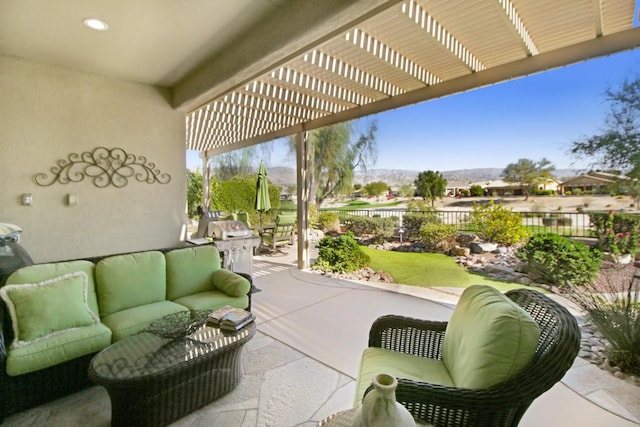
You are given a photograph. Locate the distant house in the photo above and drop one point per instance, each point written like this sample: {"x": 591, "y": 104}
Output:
{"x": 596, "y": 182}
{"x": 549, "y": 184}
{"x": 500, "y": 187}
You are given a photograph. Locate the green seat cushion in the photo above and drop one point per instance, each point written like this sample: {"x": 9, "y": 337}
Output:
{"x": 57, "y": 349}
{"x": 230, "y": 283}
{"x": 189, "y": 270}
{"x": 127, "y": 281}
{"x": 41, "y": 272}
{"x": 212, "y": 300}
{"x": 400, "y": 365}
{"x": 133, "y": 320}
{"x": 47, "y": 308}
{"x": 489, "y": 339}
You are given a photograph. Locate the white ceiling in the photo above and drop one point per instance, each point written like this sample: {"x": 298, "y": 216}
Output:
{"x": 149, "y": 41}
{"x": 246, "y": 71}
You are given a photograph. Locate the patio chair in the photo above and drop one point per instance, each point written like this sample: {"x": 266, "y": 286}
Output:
{"x": 416, "y": 353}
{"x": 278, "y": 234}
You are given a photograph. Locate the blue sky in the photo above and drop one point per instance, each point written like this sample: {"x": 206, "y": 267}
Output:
{"x": 531, "y": 117}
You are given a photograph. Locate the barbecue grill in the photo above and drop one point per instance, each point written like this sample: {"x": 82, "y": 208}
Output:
{"x": 236, "y": 243}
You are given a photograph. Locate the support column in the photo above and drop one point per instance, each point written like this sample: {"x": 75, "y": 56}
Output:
{"x": 303, "y": 191}
{"x": 206, "y": 182}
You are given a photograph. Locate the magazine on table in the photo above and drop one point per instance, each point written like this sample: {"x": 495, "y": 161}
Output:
{"x": 230, "y": 318}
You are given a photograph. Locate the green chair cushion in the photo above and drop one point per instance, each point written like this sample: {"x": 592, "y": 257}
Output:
{"x": 133, "y": 320}
{"x": 230, "y": 283}
{"x": 41, "y": 272}
{"x": 489, "y": 339}
{"x": 133, "y": 280}
{"x": 189, "y": 270}
{"x": 212, "y": 300}
{"x": 400, "y": 365}
{"x": 47, "y": 308}
{"x": 57, "y": 349}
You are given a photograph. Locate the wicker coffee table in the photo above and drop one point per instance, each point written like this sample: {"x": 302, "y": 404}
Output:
{"x": 153, "y": 381}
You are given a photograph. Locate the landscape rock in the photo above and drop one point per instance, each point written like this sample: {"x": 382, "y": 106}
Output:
{"x": 465, "y": 239}
{"x": 461, "y": 251}
{"x": 482, "y": 247}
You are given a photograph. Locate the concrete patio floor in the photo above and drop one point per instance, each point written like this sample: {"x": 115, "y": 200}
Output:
{"x": 300, "y": 366}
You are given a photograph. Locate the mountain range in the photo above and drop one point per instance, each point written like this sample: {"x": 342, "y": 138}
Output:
{"x": 285, "y": 176}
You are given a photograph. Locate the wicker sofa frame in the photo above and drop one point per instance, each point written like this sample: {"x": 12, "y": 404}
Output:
{"x": 501, "y": 405}
{"x": 22, "y": 392}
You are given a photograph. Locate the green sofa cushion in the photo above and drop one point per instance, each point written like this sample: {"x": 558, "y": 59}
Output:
{"x": 212, "y": 300}
{"x": 489, "y": 339}
{"x": 230, "y": 283}
{"x": 133, "y": 320}
{"x": 127, "y": 281}
{"x": 400, "y": 365}
{"x": 57, "y": 349}
{"x": 41, "y": 272}
{"x": 47, "y": 308}
{"x": 189, "y": 270}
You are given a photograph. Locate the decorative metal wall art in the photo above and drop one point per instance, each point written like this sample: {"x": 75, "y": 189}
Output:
{"x": 104, "y": 166}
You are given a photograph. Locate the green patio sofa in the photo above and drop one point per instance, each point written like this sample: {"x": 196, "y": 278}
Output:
{"x": 57, "y": 316}
{"x": 484, "y": 367}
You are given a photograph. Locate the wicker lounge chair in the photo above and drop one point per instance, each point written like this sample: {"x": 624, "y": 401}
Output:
{"x": 503, "y": 404}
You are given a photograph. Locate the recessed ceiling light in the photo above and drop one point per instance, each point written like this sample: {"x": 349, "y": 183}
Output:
{"x": 96, "y": 24}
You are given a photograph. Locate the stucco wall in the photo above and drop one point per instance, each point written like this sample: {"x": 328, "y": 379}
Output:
{"x": 47, "y": 113}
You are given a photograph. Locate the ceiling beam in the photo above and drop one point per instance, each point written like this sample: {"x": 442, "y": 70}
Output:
{"x": 294, "y": 28}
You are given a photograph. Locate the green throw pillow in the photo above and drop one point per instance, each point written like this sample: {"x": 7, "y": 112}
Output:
{"x": 489, "y": 339}
{"x": 230, "y": 283}
{"x": 47, "y": 308}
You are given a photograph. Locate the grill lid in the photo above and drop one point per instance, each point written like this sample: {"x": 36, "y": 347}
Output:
{"x": 223, "y": 230}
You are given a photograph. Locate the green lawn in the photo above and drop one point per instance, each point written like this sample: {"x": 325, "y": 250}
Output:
{"x": 430, "y": 270}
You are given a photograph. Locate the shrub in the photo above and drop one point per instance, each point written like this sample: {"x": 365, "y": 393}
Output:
{"x": 340, "y": 254}
{"x": 412, "y": 222}
{"x": 620, "y": 222}
{"x": 564, "y": 221}
{"x": 615, "y": 312}
{"x": 378, "y": 228}
{"x": 329, "y": 222}
{"x": 568, "y": 192}
{"x": 476, "y": 191}
{"x": 497, "y": 224}
{"x": 239, "y": 195}
{"x": 314, "y": 214}
{"x": 439, "y": 238}
{"x": 543, "y": 192}
{"x": 560, "y": 261}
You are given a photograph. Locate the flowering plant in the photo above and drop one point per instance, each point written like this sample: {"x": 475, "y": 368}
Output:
{"x": 627, "y": 242}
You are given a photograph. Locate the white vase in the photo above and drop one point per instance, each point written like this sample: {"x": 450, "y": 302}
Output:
{"x": 380, "y": 408}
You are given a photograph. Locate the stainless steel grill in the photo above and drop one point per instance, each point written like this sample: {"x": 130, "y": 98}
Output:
{"x": 223, "y": 230}
{"x": 236, "y": 243}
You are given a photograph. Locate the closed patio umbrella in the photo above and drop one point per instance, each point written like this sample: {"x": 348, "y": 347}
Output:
{"x": 263, "y": 204}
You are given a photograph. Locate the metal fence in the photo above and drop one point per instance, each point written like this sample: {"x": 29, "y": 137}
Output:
{"x": 570, "y": 224}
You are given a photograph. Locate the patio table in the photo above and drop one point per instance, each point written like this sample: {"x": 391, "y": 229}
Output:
{"x": 153, "y": 381}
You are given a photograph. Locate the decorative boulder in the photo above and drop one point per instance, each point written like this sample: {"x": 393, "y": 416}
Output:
{"x": 461, "y": 251}
{"x": 482, "y": 247}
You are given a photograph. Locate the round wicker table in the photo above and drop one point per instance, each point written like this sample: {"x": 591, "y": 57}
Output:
{"x": 153, "y": 381}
